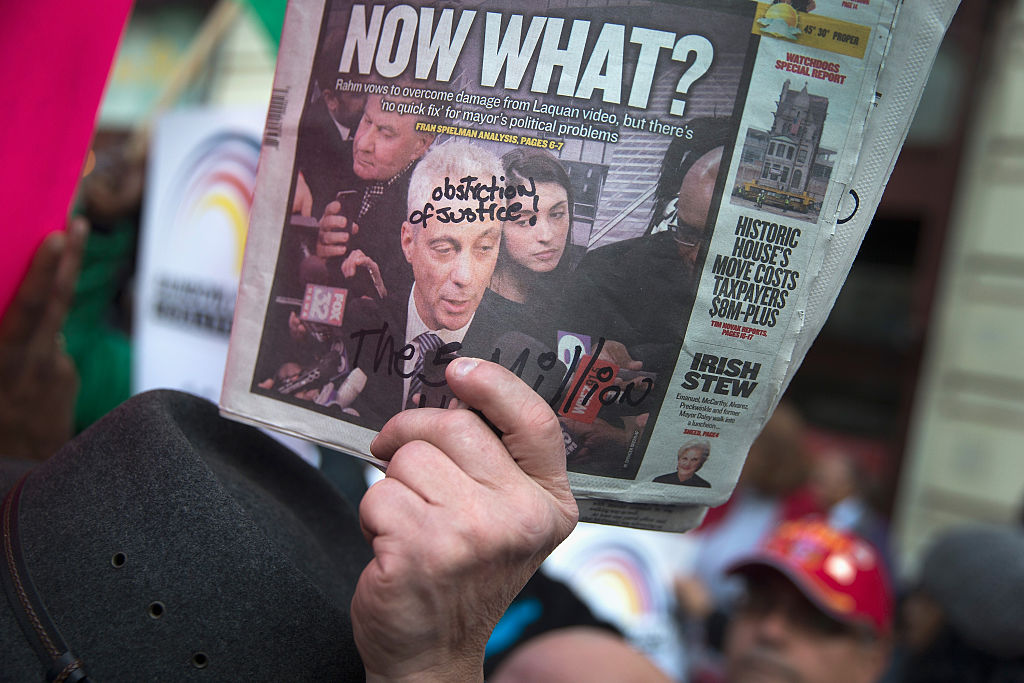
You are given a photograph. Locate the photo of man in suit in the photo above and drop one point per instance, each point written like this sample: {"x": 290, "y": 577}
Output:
{"x": 404, "y": 342}
{"x": 362, "y": 223}
{"x": 323, "y": 156}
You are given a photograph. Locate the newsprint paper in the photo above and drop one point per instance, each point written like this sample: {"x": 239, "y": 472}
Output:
{"x": 625, "y": 203}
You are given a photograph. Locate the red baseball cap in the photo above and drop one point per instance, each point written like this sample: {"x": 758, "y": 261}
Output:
{"x": 839, "y": 572}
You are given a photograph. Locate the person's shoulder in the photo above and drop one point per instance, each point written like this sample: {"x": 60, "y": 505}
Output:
{"x": 670, "y": 478}
{"x": 609, "y": 252}
{"x": 492, "y": 301}
{"x": 401, "y": 183}
{"x": 489, "y": 321}
{"x": 644, "y": 247}
{"x": 697, "y": 480}
{"x": 367, "y": 313}
{"x": 317, "y": 131}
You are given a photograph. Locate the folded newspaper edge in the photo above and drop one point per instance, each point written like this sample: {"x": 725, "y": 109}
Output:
{"x": 708, "y": 323}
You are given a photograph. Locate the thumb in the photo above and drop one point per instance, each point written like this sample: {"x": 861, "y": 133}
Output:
{"x": 529, "y": 428}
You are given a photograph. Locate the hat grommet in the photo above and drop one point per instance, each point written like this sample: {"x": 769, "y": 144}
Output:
{"x": 156, "y": 609}
{"x": 118, "y": 560}
{"x": 200, "y": 660}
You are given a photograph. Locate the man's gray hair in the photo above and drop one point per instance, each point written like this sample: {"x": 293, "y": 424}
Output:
{"x": 454, "y": 160}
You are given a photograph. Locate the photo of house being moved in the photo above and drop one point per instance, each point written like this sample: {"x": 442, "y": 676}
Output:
{"x": 785, "y": 170}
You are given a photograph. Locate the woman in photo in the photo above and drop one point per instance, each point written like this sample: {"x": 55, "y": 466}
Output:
{"x": 689, "y": 459}
{"x": 533, "y": 260}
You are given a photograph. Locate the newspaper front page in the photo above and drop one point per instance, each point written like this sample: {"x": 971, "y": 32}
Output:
{"x": 624, "y": 203}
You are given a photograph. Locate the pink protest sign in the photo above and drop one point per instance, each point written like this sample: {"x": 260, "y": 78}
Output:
{"x": 55, "y": 58}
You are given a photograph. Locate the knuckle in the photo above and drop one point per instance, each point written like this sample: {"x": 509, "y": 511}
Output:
{"x": 375, "y": 498}
{"x": 537, "y": 417}
{"x": 460, "y": 422}
{"x": 408, "y": 458}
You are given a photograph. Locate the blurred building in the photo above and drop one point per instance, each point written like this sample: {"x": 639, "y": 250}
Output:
{"x": 963, "y": 458}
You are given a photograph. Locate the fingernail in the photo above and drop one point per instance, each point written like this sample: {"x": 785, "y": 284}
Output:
{"x": 463, "y": 366}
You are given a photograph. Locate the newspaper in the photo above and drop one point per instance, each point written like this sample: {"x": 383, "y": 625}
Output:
{"x": 627, "y": 204}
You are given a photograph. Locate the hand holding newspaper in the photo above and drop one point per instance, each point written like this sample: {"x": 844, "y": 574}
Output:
{"x": 626, "y": 204}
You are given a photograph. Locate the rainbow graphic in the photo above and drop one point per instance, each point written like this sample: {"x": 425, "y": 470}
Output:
{"x": 619, "y": 581}
{"x": 208, "y": 199}
{"x": 625, "y": 577}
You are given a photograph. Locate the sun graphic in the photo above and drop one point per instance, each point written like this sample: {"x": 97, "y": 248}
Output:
{"x": 780, "y": 21}
{"x": 784, "y": 12}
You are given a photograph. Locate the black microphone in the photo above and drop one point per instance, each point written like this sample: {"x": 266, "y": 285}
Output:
{"x": 531, "y": 360}
{"x": 331, "y": 366}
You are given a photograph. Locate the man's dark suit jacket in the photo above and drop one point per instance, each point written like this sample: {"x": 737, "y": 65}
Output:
{"x": 324, "y": 157}
{"x": 638, "y": 292}
{"x": 374, "y": 334}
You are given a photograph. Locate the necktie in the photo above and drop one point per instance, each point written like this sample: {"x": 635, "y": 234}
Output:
{"x": 426, "y": 344}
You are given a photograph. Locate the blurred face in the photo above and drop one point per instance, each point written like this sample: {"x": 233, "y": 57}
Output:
{"x": 688, "y": 462}
{"x": 831, "y": 480}
{"x": 452, "y": 265}
{"x": 923, "y": 620}
{"x": 779, "y": 635}
{"x": 385, "y": 142}
{"x": 345, "y": 107}
{"x": 694, "y": 203}
{"x": 539, "y": 247}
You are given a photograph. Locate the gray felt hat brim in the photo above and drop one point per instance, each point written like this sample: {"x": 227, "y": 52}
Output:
{"x": 250, "y": 553}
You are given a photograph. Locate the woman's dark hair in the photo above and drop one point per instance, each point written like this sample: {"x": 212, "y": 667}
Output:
{"x": 522, "y": 165}
{"x": 538, "y": 164}
{"x": 707, "y": 133}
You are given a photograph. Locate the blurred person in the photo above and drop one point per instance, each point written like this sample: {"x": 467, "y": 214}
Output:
{"x": 583, "y": 655}
{"x": 38, "y": 379}
{"x": 961, "y": 621}
{"x": 778, "y": 464}
{"x": 816, "y": 608}
{"x": 839, "y": 486}
{"x": 691, "y": 457}
{"x": 770, "y": 490}
{"x": 99, "y": 323}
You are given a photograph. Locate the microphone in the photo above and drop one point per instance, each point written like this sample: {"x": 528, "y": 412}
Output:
{"x": 324, "y": 305}
{"x": 530, "y": 359}
{"x": 331, "y": 366}
{"x": 346, "y": 394}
